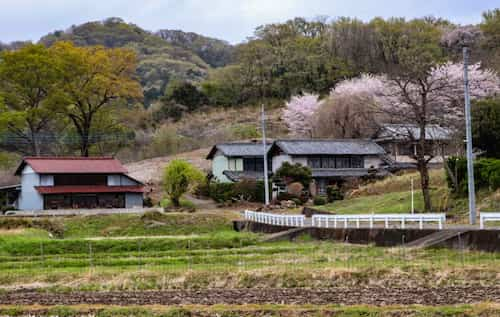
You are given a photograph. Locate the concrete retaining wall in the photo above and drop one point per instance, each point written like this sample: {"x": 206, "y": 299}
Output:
{"x": 484, "y": 240}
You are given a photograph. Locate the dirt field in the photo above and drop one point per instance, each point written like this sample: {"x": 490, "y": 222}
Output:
{"x": 378, "y": 296}
{"x": 150, "y": 171}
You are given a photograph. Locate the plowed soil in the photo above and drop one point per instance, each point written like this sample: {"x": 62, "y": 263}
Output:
{"x": 378, "y": 296}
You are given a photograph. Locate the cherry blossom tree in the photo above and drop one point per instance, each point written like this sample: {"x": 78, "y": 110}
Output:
{"x": 299, "y": 113}
{"x": 433, "y": 98}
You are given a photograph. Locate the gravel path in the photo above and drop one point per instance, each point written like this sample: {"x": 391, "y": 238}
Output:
{"x": 346, "y": 296}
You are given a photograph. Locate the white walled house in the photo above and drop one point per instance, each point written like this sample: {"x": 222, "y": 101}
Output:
{"x": 232, "y": 162}
{"x": 76, "y": 183}
{"x": 331, "y": 161}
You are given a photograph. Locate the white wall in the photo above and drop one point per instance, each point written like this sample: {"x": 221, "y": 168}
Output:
{"x": 374, "y": 161}
{"x": 120, "y": 180}
{"x": 29, "y": 198}
{"x": 219, "y": 165}
{"x": 46, "y": 180}
{"x": 278, "y": 160}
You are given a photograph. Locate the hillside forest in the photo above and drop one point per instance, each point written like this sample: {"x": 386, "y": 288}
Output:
{"x": 112, "y": 88}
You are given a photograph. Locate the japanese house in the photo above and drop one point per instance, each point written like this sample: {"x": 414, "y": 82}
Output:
{"x": 331, "y": 161}
{"x": 76, "y": 183}
{"x": 232, "y": 162}
{"x": 400, "y": 141}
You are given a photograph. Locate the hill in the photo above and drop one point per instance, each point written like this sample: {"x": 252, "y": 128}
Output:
{"x": 215, "y": 52}
{"x": 162, "y": 57}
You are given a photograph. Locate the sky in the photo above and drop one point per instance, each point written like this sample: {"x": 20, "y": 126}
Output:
{"x": 231, "y": 20}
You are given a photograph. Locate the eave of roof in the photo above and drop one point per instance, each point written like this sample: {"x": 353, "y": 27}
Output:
{"x": 89, "y": 189}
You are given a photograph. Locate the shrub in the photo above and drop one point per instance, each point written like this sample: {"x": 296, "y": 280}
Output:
{"x": 486, "y": 174}
{"x": 319, "y": 201}
{"x": 294, "y": 173}
{"x": 249, "y": 190}
{"x": 179, "y": 177}
{"x": 334, "y": 193}
{"x": 148, "y": 202}
{"x": 221, "y": 192}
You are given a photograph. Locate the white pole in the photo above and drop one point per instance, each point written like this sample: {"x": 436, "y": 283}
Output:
{"x": 470, "y": 162}
{"x": 264, "y": 145}
{"x": 412, "y": 199}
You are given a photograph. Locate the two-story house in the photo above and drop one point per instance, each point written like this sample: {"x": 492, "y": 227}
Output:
{"x": 331, "y": 161}
{"x": 76, "y": 182}
{"x": 232, "y": 162}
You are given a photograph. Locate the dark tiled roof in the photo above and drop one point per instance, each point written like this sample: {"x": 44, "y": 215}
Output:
{"x": 329, "y": 147}
{"x": 236, "y": 176}
{"x": 239, "y": 149}
{"x": 347, "y": 172}
{"x": 411, "y": 131}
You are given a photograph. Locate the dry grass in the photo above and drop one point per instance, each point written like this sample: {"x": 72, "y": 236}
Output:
{"x": 399, "y": 183}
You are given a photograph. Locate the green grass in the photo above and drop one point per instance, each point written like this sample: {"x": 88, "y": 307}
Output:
{"x": 167, "y": 203}
{"x": 394, "y": 202}
{"x": 231, "y": 259}
{"x": 476, "y": 310}
{"x": 150, "y": 224}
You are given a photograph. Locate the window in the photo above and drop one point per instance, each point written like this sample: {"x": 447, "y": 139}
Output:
{"x": 314, "y": 162}
{"x": 80, "y": 179}
{"x": 342, "y": 162}
{"x": 253, "y": 164}
{"x": 357, "y": 162}
{"x": 332, "y": 161}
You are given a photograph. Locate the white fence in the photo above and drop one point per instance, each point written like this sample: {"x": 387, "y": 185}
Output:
{"x": 275, "y": 219}
{"x": 333, "y": 221}
{"x": 336, "y": 221}
{"x": 488, "y": 216}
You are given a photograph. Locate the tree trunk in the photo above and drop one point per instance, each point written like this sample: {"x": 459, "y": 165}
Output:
{"x": 175, "y": 201}
{"x": 423, "y": 168}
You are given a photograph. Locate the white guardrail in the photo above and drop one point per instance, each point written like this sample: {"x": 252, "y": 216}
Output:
{"x": 275, "y": 219}
{"x": 488, "y": 216}
{"x": 335, "y": 221}
{"x": 325, "y": 221}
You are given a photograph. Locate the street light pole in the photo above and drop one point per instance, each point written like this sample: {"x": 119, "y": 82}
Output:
{"x": 470, "y": 159}
{"x": 264, "y": 145}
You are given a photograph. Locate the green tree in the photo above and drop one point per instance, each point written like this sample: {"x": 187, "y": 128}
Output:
{"x": 93, "y": 80}
{"x": 486, "y": 126}
{"x": 29, "y": 82}
{"x": 491, "y": 31}
{"x": 179, "y": 177}
{"x": 184, "y": 93}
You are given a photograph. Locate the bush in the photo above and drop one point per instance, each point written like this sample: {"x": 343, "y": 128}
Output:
{"x": 319, "y": 201}
{"x": 486, "y": 174}
{"x": 148, "y": 202}
{"x": 179, "y": 177}
{"x": 249, "y": 190}
{"x": 291, "y": 173}
{"x": 334, "y": 193}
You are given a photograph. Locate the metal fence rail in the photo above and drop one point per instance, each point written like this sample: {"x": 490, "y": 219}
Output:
{"x": 326, "y": 220}
{"x": 275, "y": 219}
{"x": 488, "y": 216}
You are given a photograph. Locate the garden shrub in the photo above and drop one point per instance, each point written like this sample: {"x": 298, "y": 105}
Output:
{"x": 291, "y": 173}
{"x": 249, "y": 190}
{"x": 334, "y": 193}
{"x": 319, "y": 201}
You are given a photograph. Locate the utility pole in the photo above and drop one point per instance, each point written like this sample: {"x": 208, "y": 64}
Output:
{"x": 264, "y": 145}
{"x": 470, "y": 160}
{"x": 412, "y": 197}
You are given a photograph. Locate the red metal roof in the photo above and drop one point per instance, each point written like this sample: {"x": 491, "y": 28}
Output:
{"x": 73, "y": 165}
{"x": 88, "y": 189}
